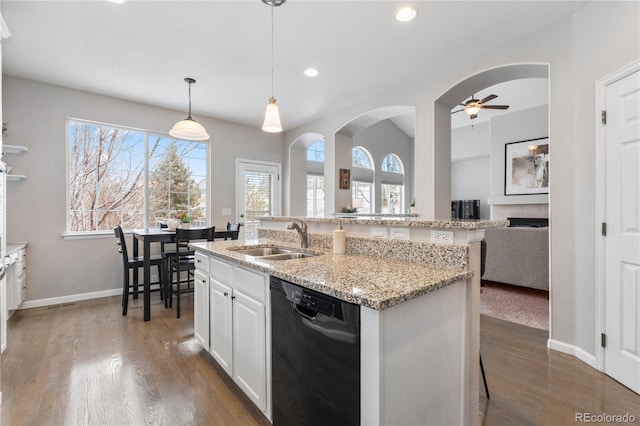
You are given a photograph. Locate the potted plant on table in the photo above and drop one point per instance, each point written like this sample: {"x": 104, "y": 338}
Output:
{"x": 185, "y": 220}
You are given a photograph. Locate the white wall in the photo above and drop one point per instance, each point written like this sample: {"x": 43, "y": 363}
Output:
{"x": 601, "y": 38}
{"x": 36, "y": 207}
{"x": 470, "y": 165}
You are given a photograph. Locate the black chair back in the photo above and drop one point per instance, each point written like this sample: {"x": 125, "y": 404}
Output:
{"x": 184, "y": 236}
{"x": 234, "y": 226}
{"x": 122, "y": 245}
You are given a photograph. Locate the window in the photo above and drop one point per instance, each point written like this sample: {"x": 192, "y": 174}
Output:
{"x": 316, "y": 152}
{"x": 392, "y": 164}
{"x": 315, "y": 179}
{"x": 392, "y": 185}
{"x": 315, "y": 196}
{"x": 362, "y": 180}
{"x": 131, "y": 177}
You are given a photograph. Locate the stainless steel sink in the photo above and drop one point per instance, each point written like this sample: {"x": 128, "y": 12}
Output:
{"x": 286, "y": 256}
{"x": 273, "y": 253}
{"x": 263, "y": 251}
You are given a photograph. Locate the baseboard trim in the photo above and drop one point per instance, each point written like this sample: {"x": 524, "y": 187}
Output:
{"x": 579, "y": 353}
{"x": 69, "y": 299}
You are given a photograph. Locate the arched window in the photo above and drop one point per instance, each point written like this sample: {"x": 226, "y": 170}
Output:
{"x": 315, "y": 179}
{"x": 362, "y": 180}
{"x": 392, "y": 164}
{"x": 392, "y": 185}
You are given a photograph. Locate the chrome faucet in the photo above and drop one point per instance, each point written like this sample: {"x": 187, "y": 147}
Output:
{"x": 302, "y": 230}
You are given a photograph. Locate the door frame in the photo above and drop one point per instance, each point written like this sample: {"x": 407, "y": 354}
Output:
{"x": 277, "y": 197}
{"x": 600, "y": 190}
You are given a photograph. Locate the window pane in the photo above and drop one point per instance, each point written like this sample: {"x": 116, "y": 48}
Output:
{"x": 392, "y": 198}
{"x": 361, "y": 195}
{"x": 258, "y": 190}
{"x": 316, "y": 152}
{"x": 106, "y": 177}
{"x": 391, "y": 163}
{"x": 315, "y": 196}
{"x": 360, "y": 159}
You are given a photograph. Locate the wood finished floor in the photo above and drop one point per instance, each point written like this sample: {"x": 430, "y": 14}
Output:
{"x": 85, "y": 364}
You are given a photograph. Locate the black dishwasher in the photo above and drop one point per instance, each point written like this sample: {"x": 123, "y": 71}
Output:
{"x": 315, "y": 357}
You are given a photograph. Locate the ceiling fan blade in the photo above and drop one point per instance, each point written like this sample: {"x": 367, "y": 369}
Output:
{"x": 495, "y": 106}
{"x": 460, "y": 110}
{"x": 488, "y": 98}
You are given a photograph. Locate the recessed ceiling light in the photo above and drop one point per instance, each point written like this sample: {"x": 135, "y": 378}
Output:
{"x": 406, "y": 14}
{"x": 117, "y": 1}
{"x": 311, "y": 72}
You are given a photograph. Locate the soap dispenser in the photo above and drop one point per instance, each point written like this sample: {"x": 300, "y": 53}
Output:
{"x": 339, "y": 240}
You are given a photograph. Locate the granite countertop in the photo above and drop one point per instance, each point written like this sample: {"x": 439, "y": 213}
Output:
{"x": 404, "y": 221}
{"x": 371, "y": 281}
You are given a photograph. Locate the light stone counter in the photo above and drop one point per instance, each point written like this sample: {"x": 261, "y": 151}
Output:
{"x": 412, "y": 222}
{"x": 377, "y": 282}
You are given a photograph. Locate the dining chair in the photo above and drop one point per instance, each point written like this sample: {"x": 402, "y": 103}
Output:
{"x": 181, "y": 265}
{"x": 130, "y": 263}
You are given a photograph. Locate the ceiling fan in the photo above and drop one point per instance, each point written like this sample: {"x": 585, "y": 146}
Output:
{"x": 473, "y": 106}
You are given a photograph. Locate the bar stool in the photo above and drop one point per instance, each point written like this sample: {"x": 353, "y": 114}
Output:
{"x": 182, "y": 261}
{"x": 130, "y": 263}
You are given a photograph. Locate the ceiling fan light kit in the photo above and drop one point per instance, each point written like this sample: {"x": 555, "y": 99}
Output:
{"x": 473, "y": 106}
{"x": 189, "y": 129}
{"x": 272, "y": 115}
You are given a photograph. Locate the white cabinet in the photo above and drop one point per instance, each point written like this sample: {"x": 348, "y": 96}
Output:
{"x": 16, "y": 278}
{"x": 239, "y": 332}
{"x": 201, "y": 308}
{"x": 221, "y": 307}
{"x": 249, "y": 348}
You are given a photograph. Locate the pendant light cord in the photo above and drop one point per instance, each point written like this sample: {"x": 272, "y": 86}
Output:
{"x": 189, "y": 99}
{"x": 272, "y": 47}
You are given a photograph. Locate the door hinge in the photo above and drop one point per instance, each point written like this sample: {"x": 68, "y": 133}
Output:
{"x": 604, "y": 116}
{"x": 603, "y": 340}
{"x": 604, "y": 229}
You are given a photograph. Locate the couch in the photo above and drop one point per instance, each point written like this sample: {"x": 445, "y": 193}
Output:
{"x": 517, "y": 256}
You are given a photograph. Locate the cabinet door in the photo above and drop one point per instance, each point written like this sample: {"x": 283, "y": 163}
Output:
{"x": 220, "y": 330}
{"x": 201, "y": 309}
{"x": 249, "y": 348}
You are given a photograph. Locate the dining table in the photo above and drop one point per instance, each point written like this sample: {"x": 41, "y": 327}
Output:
{"x": 148, "y": 236}
{"x": 158, "y": 235}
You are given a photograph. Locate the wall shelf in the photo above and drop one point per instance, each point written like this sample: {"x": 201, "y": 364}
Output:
{"x": 13, "y": 178}
{"x": 14, "y": 149}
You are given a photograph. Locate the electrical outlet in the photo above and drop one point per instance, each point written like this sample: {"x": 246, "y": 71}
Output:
{"x": 378, "y": 232}
{"x": 443, "y": 237}
{"x": 226, "y": 212}
{"x": 400, "y": 234}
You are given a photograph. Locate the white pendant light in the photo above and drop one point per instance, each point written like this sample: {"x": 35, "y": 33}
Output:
{"x": 272, "y": 116}
{"x": 189, "y": 129}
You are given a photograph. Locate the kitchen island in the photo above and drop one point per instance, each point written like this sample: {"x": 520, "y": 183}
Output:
{"x": 419, "y": 313}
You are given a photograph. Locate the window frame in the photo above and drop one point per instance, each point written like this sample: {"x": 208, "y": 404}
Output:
{"x": 70, "y": 234}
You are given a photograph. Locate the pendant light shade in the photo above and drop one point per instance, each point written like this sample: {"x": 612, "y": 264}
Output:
{"x": 272, "y": 116}
{"x": 189, "y": 129}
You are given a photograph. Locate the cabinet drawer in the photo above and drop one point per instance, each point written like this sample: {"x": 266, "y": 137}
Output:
{"x": 202, "y": 262}
{"x": 220, "y": 270}
{"x": 250, "y": 283}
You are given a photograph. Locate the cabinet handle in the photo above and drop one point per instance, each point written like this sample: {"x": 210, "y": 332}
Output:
{"x": 226, "y": 294}
{"x": 233, "y": 297}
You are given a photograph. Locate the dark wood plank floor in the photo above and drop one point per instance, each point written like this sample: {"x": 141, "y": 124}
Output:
{"x": 85, "y": 364}
{"x": 532, "y": 385}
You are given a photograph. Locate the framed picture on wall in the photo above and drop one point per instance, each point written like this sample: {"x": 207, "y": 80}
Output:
{"x": 345, "y": 178}
{"x": 526, "y": 167}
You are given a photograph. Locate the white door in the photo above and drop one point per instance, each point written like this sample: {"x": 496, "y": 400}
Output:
{"x": 220, "y": 328}
{"x": 201, "y": 309}
{"x": 622, "y": 241}
{"x": 249, "y": 348}
{"x": 257, "y": 189}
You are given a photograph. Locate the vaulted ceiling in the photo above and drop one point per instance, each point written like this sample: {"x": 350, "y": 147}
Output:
{"x": 142, "y": 50}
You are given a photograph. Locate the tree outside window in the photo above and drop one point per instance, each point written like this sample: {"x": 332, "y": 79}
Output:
{"x": 107, "y": 166}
